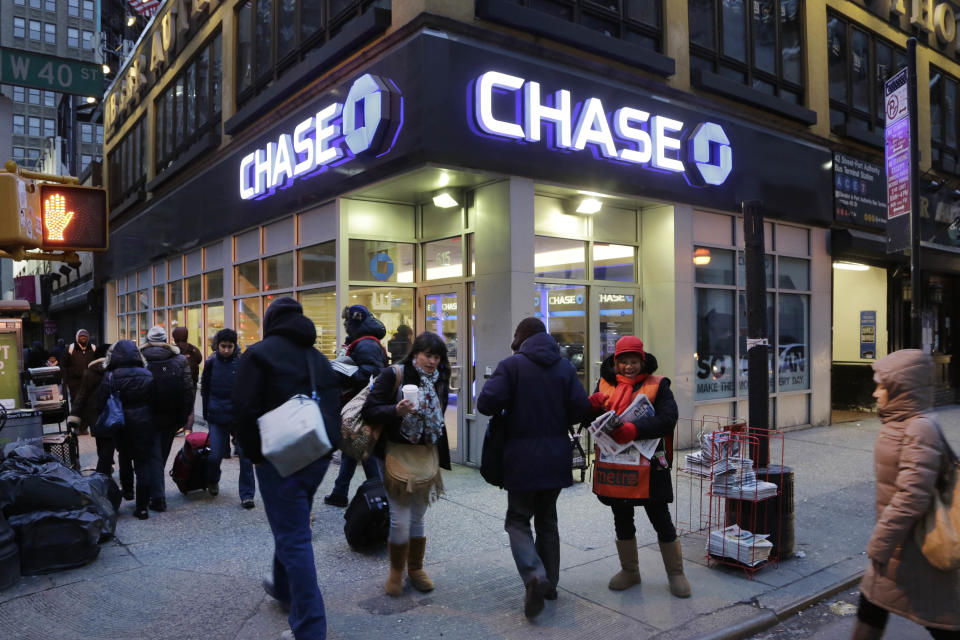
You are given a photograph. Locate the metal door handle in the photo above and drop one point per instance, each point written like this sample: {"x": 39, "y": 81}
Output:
{"x": 453, "y": 388}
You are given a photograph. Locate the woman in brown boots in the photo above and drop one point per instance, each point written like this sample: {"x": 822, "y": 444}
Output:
{"x": 625, "y": 375}
{"x": 414, "y": 447}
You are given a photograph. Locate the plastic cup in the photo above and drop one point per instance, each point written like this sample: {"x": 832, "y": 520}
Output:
{"x": 410, "y": 392}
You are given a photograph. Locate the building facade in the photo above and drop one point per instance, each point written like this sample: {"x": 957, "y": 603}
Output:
{"x": 457, "y": 166}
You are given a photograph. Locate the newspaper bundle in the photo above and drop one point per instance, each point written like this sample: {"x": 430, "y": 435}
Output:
{"x": 629, "y": 453}
{"x": 738, "y": 544}
{"x": 722, "y": 459}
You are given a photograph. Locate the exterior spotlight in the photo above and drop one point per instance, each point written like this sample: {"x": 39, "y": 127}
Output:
{"x": 701, "y": 257}
{"x": 106, "y": 69}
{"x": 131, "y": 20}
{"x": 850, "y": 266}
{"x": 446, "y": 198}
{"x": 589, "y": 206}
{"x": 91, "y": 100}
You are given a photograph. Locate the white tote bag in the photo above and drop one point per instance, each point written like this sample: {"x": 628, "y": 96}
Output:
{"x": 293, "y": 435}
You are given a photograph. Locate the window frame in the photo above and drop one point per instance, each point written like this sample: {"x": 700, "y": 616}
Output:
{"x": 73, "y": 8}
{"x": 39, "y": 30}
{"x": 73, "y": 37}
{"x": 19, "y": 27}
{"x": 19, "y": 125}
{"x": 938, "y": 148}
{"x": 49, "y": 33}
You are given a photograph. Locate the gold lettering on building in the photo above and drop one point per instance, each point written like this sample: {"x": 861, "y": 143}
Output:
{"x": 921, "y": 15}
{"x": 945, "y": 23}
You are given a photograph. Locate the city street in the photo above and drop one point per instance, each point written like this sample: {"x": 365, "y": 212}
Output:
{"x": 195, "y": 571}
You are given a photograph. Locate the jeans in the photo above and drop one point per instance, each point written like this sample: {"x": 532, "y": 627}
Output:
{"x": 105, "y": 451}
{"x": 657, "y": 512}
{"x": 287, "y": 503}
{"x": 348, "y": 466}
{"x": 160, "y": 465}
{"x": 143, "y": 448}
{"x": 406, "y": 520}
{"x": 540, "y": 559}
{"x": 219, "y": 448}
{"x": 876, "y": 616}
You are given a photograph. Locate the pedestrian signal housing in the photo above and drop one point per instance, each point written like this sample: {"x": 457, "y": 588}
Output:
{"x": 20, "y": 224}
{"x": 74, "y": 217}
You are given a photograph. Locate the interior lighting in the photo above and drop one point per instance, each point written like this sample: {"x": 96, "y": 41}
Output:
{"x": 850, "y": 266}
{"x": 106, "y": 69}
{"x": 701, "y": 257}
{"x": 445, "y": 199}
{"x": 131, "y": 20}
{"x": 589, "y": 206}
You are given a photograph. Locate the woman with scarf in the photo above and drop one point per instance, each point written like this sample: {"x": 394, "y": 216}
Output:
{"x": 623, "y": 376}
{"x": 414, "y": 447}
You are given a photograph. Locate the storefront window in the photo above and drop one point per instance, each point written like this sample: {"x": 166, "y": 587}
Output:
{"x": 559, "y": 258}
{"x": 160, "y": 319}
{"x": 393, "y": 306}
{"x": 194, "y": 289}
{"x": 943, "y": 120}
{"x": 320, "y": 305}
{"x": 613, "y": 262}
{"x": 143, "y": 323}
{"x": 175, "y": 290}
{"x": 214, "y": 317}
{"x": 381, "y": 261}
{"x": 193, "y": 321}
{"x": 742, "y": 381}
{"x": 143, "y": 299}
{"x": 443, "y": 259}
{"x": 793, "y": 343}
{"x": 122, "y": 327}
{"x": 742, "y": 273}
{"x": 563, "y": 309}
{"x": 715, "y": 343}
{"x": 713, "y": 266}
{"x": 278, "y": 272}
{"x": 247, "y": 278}
{"x": 213, "y": 284}
{"x": 248, "y": 321}
{"x": 176, "y": 318}
{"x": 159, "y": 297}
{"x": 131, "y": 302}
{"x": 794, "y": 273}
{"x": 616, "y": 320}
{"x": 121, "y": 304}
{"x": 318, "y": 264}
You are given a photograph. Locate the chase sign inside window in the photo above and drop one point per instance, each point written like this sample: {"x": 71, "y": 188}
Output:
{"x": 700, "y": 151}
{"x": 371, "y": 113}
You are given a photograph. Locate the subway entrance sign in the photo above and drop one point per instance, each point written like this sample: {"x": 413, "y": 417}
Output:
{"x": 27, "y": 69}
{"x": 74, "y": 217}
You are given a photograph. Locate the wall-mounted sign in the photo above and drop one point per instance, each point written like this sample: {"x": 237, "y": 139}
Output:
{"x": 898, "y": 159}
{"x": 381, "y": 266}
{"x": 511, "y": 107}
{"x": 859, "y": 192}
{"x": 338, "y": 132}
{"x": 868, "y": 335}
{"x": 928, "y": 16}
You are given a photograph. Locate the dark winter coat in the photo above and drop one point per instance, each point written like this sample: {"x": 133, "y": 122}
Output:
{"x": 542, "y": 397}
{"x": 381, "y": 406}
{"x": 275, "y": 369}
{"x": 188, "y": 351}
{"x": 74, "y": 364}
{"x": 85, "y": 404}
{"x": 908, "y": 458}
{"x": 216, "y": 388}
{"x": 171, "y": 406}
{"x": 367, "y": 354}
{"x": 661, "y": 425}
{"x": 127, "y": 374}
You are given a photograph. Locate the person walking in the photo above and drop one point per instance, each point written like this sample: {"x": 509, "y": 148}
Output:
{"x": 270, "y": 373}
{"x": 216, "y": 391}
{"x": 364, "y": 333}
{"x": 541, "y": 396}
{"x": 76, "y": 358}
{"x": 126, "y": 373}
{"x": 172, "y": 402}
{"x": 909, "y": 457}
{"x": 194, "y": 357}
{"x": 414, "y": 448}
{"x": 623, "y": 376}
{"x": 399, "y": 344}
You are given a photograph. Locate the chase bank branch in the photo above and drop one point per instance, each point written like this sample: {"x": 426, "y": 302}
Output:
{"x": 456, "y": 174}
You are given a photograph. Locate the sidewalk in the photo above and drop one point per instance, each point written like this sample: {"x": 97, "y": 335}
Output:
{"x": 195, "y": 571}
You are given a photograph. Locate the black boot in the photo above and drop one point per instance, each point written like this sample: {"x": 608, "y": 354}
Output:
{"x": 158, "y": 504}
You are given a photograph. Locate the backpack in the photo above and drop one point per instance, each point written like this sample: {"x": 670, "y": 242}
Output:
{"x": 357, "y": 438}
{"x": 367, "y": 519}
{"x": 168, "y": 386}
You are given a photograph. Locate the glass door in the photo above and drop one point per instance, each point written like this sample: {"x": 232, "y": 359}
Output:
{"x": 614, "y": 315}
{"x": 444, "y": 313}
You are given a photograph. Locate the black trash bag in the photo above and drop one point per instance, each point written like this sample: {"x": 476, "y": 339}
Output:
{"x": 54, "y": 541}
{"x": 105, "y": 498}
{"x": 52, "y": 488}
{"x": 27, "y": 452}
{"x": 9, "y": 555}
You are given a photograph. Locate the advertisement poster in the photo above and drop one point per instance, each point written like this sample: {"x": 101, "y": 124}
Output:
{"x": 868, "y": 335}
{"x": 9, "y": 370}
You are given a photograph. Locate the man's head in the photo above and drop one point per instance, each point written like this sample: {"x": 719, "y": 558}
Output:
{"x": 180, "y": 334}
{"x": 225, "y": 342}
{"x": 526, "y": 328}
{"x": 83, "y": 337}
{"x": 157, "y": 334}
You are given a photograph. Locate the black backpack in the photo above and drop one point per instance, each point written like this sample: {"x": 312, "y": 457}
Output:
{"x": 368, "y": 516}
{"x": 168, "y": 392}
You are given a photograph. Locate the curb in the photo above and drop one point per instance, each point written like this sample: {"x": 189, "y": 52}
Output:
{"x": 770, "y": 617}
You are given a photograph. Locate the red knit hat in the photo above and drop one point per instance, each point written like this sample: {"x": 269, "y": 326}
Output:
{"x": 629, "y": 344}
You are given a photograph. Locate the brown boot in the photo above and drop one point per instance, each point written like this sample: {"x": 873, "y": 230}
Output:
{"x": 672, "y": 555}
{"x": 863, "y": 631}
{"x": 398, "y": 558}
{"x": 629, "y": 573}
{"x": 418, "y": 577}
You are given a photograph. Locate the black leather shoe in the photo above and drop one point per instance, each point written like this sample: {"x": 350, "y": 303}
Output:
{"x": 158, "y": 504}
{"x": 551, "y": 594}
{"x": 335, "y": 501}
{"x": 268, "y": 589}
{"x": 533, "y": 603}
{"x": 128, "y": 495}
{"x": 141, "y": 514}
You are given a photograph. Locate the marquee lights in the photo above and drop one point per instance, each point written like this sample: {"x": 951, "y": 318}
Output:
{"x": 627, "y": 134}
{"x": 337, "y": 133}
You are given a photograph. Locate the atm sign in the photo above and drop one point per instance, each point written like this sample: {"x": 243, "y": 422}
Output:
{"x": 74, "y": 217}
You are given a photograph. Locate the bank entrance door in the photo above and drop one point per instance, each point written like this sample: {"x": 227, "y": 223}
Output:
{"x": 614, "y": 313}
{"x": 443, "y": 311}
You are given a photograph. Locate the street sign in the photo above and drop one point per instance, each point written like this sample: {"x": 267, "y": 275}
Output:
{"x": 898, "y": 159}
{"x": 74, "y": 217}
{"x": 28, "y": 69}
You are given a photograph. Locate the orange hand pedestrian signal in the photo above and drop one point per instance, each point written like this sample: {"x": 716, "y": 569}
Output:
{"x": 56, "y": 217}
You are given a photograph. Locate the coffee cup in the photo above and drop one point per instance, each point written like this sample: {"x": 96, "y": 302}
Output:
{"x": 410, "y": 392}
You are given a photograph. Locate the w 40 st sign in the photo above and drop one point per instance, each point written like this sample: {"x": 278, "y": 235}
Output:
{"x": 38, "y": 71}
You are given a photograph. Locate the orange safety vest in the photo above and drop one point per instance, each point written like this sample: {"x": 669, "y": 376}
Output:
{"x": 625, "y": 480}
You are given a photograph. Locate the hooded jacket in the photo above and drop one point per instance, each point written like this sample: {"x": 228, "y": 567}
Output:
{"x": 275, "y": 369}
{"x": 75, "y": 361}
{"x": 369, "y": 355}
{"x": 660, "y": 425}
{"x": 172, "y": 403}
{"x": 542, "y": 396}
{"x": 126, "y": 373}
{"x": 85, "y": 404}
{"x": 908, "y": 457}
{"x": 188, "y": 351}
{"x": 216, "y": 388}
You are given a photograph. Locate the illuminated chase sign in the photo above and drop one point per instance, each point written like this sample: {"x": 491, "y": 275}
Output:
{"x": 702, "y": 153}
{"x": 338, "y": 133}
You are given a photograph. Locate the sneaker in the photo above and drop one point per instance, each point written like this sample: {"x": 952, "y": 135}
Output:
{"x": 158, "y": 504}
{"x": 214, "y": 488}
{"x": 287, "y": 635}
{"x": 335, "y": 500}
{"x": 268, "y": 589}
{"x": 248, "y": 503}
{"x": 533, "y": 603}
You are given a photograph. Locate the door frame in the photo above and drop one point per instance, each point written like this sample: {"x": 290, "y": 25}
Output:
{"x": 593, "y": 323}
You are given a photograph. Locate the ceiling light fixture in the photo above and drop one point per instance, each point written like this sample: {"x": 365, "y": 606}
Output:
{"x": 701, "y": 256}
{"x": 850, "y": 266}
{"x": 446, "y": 198}
{"x": 589, "y": 206}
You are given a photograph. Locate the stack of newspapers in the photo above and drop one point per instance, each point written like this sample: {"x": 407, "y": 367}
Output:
{"x": 741, "y": 482}
{"x": 718, "y": 453}
{"x": 722, "y": 458}
{"x": 610, "y": 450}
{"x": 738, "y": 544}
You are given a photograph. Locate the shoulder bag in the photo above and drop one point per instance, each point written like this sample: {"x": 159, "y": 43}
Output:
{"x": 358, "y": 438}
{"x": 110, "y": 422}
{"x": 293, "y": 435}
{"x": 937, "y": 533}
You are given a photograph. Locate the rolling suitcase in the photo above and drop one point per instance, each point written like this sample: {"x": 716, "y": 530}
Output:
{"x": 368, "y": 516}
{"x": 189, "y": 470}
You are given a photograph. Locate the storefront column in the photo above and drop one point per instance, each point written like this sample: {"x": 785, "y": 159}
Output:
{"x": 821, "y": 330}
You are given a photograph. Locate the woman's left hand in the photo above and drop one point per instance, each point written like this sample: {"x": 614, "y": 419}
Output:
{"x": 624, "y": 433}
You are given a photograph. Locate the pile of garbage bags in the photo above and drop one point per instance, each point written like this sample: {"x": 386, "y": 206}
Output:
{"x": 51, "y": 517}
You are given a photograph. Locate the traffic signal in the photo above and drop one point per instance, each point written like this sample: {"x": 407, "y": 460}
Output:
{"x": 20, "y": 224}
{"x": 74, "y": 217}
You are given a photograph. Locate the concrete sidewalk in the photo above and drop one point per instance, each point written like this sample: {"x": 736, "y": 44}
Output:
{"x": 195, "y": 571}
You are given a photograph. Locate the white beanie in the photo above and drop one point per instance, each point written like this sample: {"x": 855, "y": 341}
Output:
{"x": 157, "y": 334}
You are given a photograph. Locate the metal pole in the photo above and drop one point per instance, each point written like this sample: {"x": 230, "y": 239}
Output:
{"x": 758, "y": 370}
{"x": 916, "y": 299}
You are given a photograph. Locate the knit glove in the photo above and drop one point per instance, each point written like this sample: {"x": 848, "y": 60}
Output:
{"x": 625, "y": 433}
{"x": 597, "y": 400}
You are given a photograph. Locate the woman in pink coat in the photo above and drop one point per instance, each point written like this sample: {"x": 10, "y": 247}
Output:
{"x": 908, "y": 457}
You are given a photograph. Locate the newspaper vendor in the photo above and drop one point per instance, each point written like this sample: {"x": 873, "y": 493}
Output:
{"x": 629, "y": 479}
